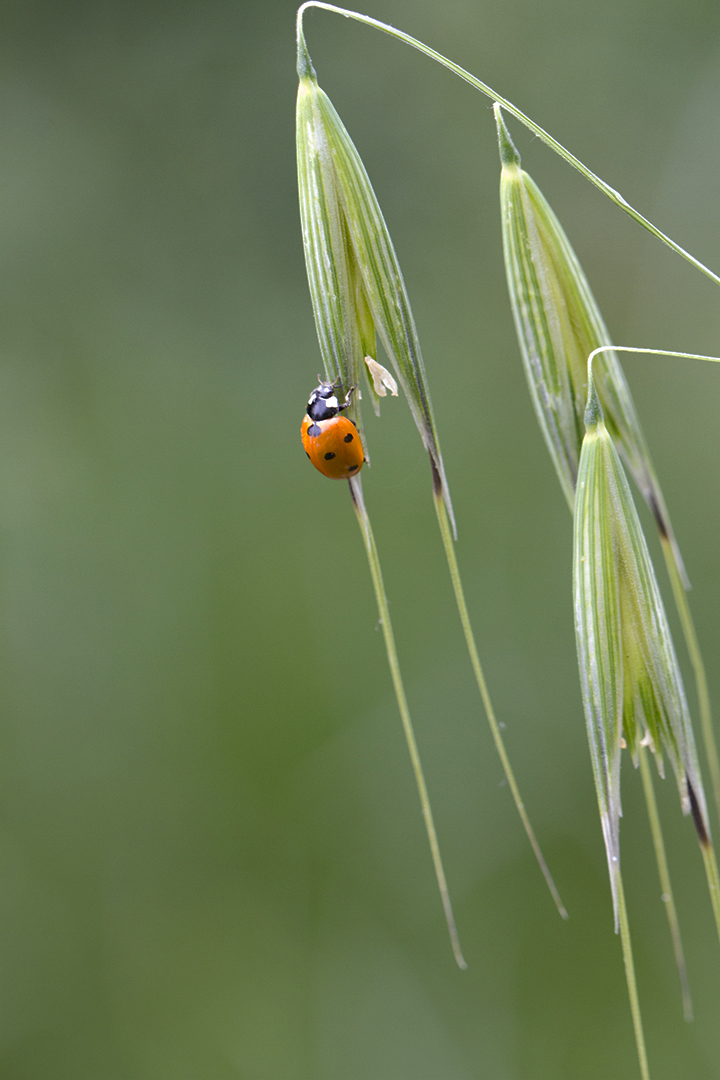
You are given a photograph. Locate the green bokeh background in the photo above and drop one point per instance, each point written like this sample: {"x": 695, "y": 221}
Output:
{"x": 212, "y": 861}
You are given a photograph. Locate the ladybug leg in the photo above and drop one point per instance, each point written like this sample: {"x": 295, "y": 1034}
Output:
{"x": 348, "y": 399}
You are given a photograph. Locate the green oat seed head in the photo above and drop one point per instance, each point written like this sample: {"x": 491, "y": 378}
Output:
{"x": 631, "y": 684}
{"x": 356, "y": 285}
{"x": 558, "y": 325}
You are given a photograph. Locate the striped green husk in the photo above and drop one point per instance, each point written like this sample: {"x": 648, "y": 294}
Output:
{"x": 558, "y": 325}
{"x": 631, "y": 683}
{"x": 355, "y": 278}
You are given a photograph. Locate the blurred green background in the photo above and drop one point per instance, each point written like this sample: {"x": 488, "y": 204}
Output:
{"x": 212, "y": 861}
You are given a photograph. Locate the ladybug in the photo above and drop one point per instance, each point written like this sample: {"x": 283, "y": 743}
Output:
{"x": 331, "y": 441}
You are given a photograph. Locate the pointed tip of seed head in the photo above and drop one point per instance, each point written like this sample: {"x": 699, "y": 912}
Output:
{"x": 508, "y": 152}
{"x": 593, "y": 409}
{"x": 305, "y": 67}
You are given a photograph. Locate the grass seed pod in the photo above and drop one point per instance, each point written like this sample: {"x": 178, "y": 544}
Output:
{"x": 356, "y": 284}
{"x": 631, "y": 683}
{"x": 558, "y": 325}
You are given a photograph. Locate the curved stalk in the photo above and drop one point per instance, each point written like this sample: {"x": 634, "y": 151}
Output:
{"x": 559, "y": 149}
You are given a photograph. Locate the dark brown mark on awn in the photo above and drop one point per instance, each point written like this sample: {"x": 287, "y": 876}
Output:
{"x": 661, "y": 524}
{"x": 437, "y": 480}
{"x": 697, "y": 816}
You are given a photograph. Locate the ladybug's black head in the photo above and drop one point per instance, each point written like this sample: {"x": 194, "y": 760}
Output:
{"x": 323, "y": 403}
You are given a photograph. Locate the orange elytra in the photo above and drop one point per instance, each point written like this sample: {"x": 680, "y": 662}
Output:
{"x": 331, "y": 441}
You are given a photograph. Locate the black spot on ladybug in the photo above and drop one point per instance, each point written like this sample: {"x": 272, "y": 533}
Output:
{"x": 308, "y": 456}
{"x": 329, "y": 457}
{"x": 348, "y": 438}
{"x": 353, "y": 468}
{"x": 314, "y": 430}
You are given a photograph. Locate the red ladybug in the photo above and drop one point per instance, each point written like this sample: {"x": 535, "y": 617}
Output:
{"x": 331, "y": 441}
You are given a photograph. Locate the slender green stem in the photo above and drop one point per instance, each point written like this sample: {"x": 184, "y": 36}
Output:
{"x": 664, "y": 873}
{"x": 650, "y": 352}
{"x": 681, "y": 600}
{"x": 711, "y": 870}
{"x": 482, "y": 686}
{"x": 693, "y": 648}
{"x": 615, "y": 196}
{"x": 630, "y": 978}
{"x": 376, "y": 573}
